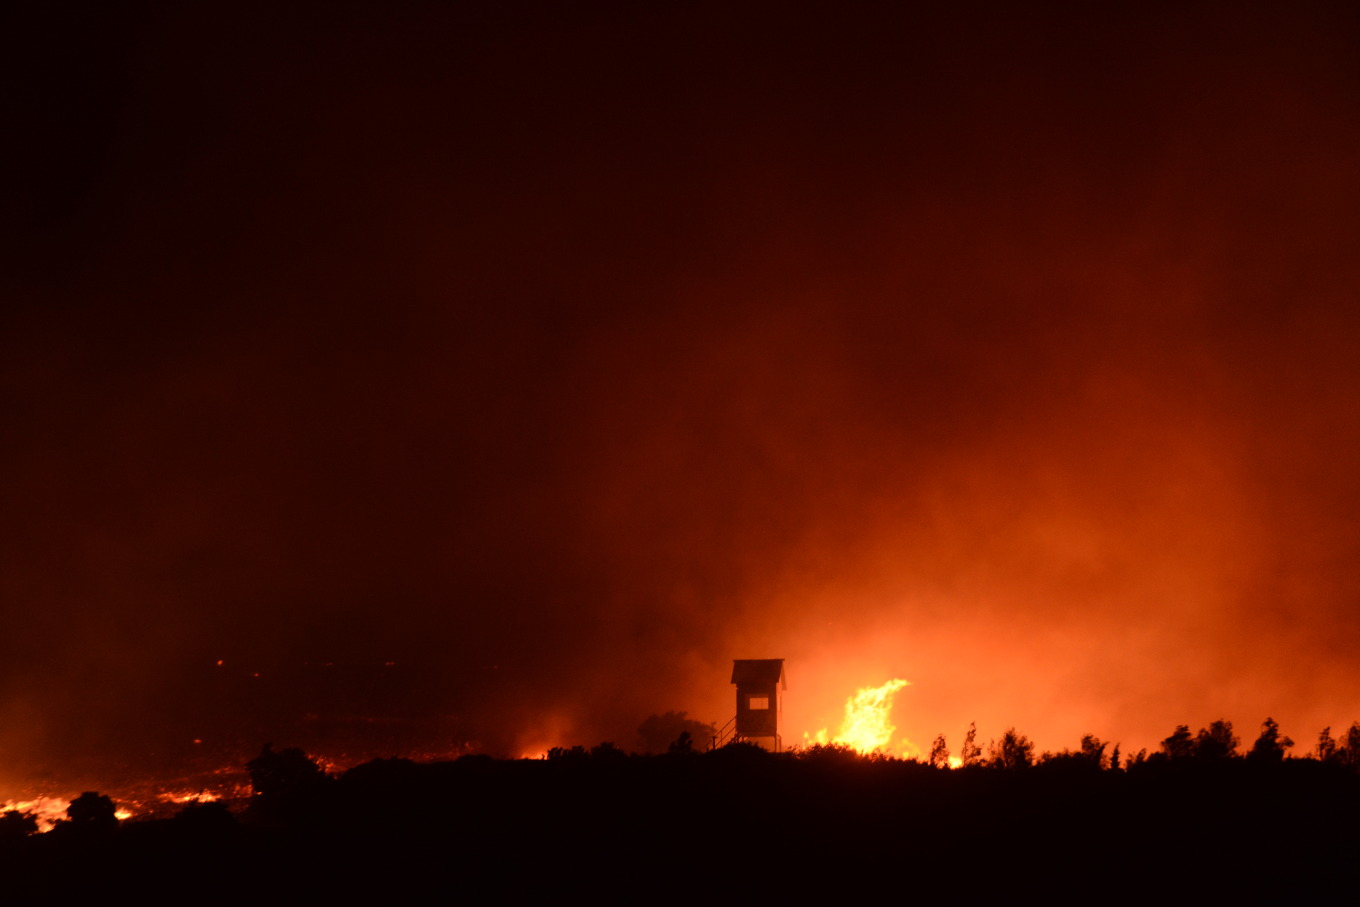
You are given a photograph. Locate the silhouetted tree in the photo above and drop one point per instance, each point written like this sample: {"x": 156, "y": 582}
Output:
{"x": 1326, "y": 746}
{"x": 1180, "y": 745}
{"x": 283, "y": 774}
{"x": 939, "y": 753}
{"x": 1093, "y": 750}
{"x": 682, "y": 745}
{"x": 971, "y": 751}
{"x": 1270, "y": 746}
{"x": 1216, "y": 742}
{"x": 1114, "y": 758}
{"x": 1348, "y": 752}
{"x": 1013, "y": 751}
{"x": 15, "y": 825}
{"x": 92, "y": 812}
{"x": 1090, "y": 757}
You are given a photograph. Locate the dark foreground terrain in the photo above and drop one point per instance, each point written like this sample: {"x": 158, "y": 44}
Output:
{"x": 734, "y": 823}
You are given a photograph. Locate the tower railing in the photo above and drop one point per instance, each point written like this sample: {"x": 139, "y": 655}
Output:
{"x": 725, "y": 733}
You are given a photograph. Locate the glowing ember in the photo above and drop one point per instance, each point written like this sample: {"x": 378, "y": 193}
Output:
{"x": 182, "y": 797}
{"x": 866, "y": 726}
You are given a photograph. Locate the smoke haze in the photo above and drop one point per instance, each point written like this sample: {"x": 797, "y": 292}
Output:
{"x": 559, "y": 358}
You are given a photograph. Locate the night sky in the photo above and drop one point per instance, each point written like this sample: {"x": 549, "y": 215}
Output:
{"x": 559, "y": 354}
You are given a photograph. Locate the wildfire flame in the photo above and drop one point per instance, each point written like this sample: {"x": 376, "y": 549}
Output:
{"x": 867, "y": 727}
{"x": 184, "y": 797}
{"x": 47, "y": 810}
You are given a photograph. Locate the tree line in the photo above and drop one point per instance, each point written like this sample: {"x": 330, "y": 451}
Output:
{"x": 1216, "y": 742}
{"x": 289, "y": 776}
{"x": 741, "y": 821}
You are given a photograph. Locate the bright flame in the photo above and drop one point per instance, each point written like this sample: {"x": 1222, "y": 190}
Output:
{"x": 47, "y": 810}
{"x": 205, "y": 796}
{"x": 866, "y": 726}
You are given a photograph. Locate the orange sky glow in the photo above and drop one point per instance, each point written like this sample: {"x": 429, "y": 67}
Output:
{"x": 458, "y": 380}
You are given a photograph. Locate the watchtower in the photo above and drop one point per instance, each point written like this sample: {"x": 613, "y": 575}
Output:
{"x": 760, "y": 681}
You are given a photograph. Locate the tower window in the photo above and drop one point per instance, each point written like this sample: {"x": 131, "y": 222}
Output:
{"x": 758, "y": 702}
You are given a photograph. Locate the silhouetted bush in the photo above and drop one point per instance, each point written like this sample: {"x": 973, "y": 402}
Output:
{"x": 1013, "y": 751}
{"x": 15, "y": 825}
{"x": 92, "y": 812}
{"x": 607, "y": 752}
{"x": 210, "y": 818}
{"x": 562, "y": 754}
{"x": 740, "y": 752}
{"x": 285, "y": 773}
{"x": 658, "y": 733}
{"x": 828, "y": 754}
{"x": 681, "y": 746}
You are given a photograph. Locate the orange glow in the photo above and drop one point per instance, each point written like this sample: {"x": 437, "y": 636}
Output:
{"x": 47, "y": 810}
{"x": 867, "y": 725}
{"x": 186, "y": 797}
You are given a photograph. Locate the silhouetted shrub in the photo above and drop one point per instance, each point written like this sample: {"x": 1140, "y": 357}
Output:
{"x": 15, "y": 825}
{"x": 1091, "y": 756}
{"x": 284, "y": 774}
{"x": 575, "y": 753}
{"x": 682, "y": 745}
{"x": 1012, "y": 751}
{"x": 210, "y": 818}
{"x": 740, "y": 751}
{"x": 658, "y": 732}
{"x": 607, "y": 752}
{"x": 92, "y": 812}
{"x": 828, "y": 754}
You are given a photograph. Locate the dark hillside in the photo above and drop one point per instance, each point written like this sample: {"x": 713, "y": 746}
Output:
{"x": 738, "y": 822}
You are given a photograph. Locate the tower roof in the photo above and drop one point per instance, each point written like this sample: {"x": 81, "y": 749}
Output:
{"x": 759, "y": 670}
